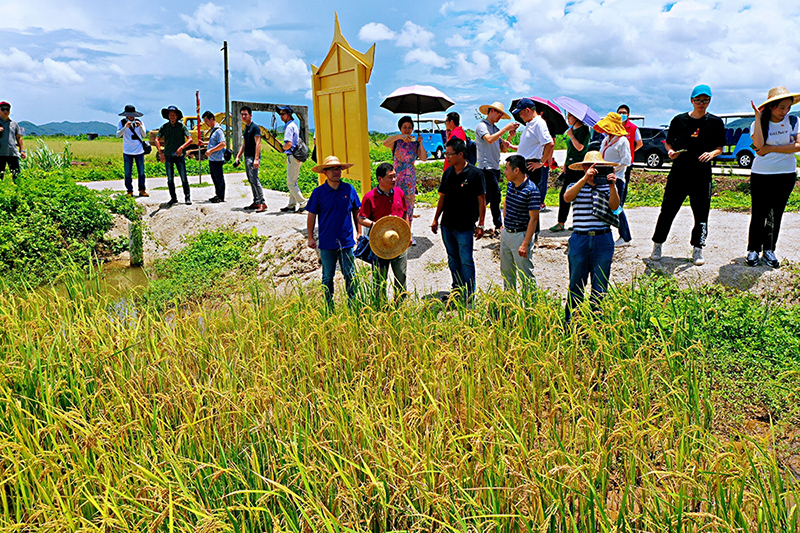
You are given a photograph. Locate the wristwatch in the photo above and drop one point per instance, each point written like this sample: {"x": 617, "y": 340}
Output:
{"x": 479, "y": 227}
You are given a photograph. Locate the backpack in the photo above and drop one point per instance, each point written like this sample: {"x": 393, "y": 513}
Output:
{"x": 793, "y": 121}
{"x": 472, "y": 151}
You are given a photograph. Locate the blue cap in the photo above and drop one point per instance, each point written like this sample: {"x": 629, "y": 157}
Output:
{"x": 524, "y": 103}
{"x": 701, "y": 89}
{"x": 286, "y": 108}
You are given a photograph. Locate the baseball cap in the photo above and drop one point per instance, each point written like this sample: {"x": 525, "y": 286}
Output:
{"x": 4, "y": 103}
{"x": 524, "y": 103}
{"x": 700, "y": 90}
{"x": 286, "y": 108}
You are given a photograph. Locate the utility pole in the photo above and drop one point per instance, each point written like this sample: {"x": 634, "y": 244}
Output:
{"x": 228, "y": 121}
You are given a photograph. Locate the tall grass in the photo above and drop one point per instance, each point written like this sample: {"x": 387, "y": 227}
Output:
{"x": 265, "y": 413}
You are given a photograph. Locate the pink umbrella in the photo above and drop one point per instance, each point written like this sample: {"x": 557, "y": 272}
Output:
{"x": 553, "y": 116}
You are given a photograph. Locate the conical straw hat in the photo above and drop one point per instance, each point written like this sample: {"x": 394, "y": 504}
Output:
{"x": 498, "y": 106}
{"x": 779, "y": 93}
{"x": 389, "y": 237}
{"x": 591, "y": 158}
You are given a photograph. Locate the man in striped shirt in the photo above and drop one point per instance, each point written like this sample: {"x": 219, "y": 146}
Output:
{"x": 591, "y": 246}
{"x": 521, "y": 215}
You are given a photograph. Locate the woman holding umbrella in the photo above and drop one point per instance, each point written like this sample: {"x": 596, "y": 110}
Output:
{"x": 406, "y": 149}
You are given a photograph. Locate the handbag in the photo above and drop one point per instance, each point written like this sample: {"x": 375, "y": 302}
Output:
{"x": 601, "y": 209}
{"x": 364, "y": 252}
{"x": 145, "y": 145}
{"x": 300, "y": 152}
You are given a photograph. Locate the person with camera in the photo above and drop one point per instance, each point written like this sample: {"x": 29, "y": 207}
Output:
{"x": 591, "y": 246}
{"x": 617, "y": 149}
{"x": 216, "y": 156}
{"x": 291, "y": 140}
{"x": 176, "y": 139}
{"x": 11, "y": 148}
{"x": 132, "y": 131}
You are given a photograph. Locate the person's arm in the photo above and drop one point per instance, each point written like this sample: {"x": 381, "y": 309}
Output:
{"x": 355, "y": 222}
{"x": 481, "y": 215}
{"x": 526, "y": 242}
{"x": 574, "y": 140}
{"x": 613, "y": 195}
{"x": 257, "y": 159}
{"x": 548, "y": 151}
{"x": 791, "y": 148}
{"x": 158, "y": 145}
{"x": 217, "y": 148}
{"x": 121, "y": 128}
{"x": 757, "y": 135}
{"x": 708, "y": 156}
{"x": 183, "y": 147}
{"x": 494, "y": 137}
{"x": 311, "y": 221}
{"x": 439, "y": 206}
{"x": 637, "y": 145}
{"x": 422, "y": 155}
{"x": 391, "y": 139}
{"x": 572, "y": 193}
{"x": 22, "y": 153}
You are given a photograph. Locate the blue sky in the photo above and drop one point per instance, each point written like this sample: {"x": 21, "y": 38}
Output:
{"x": 85, "y": 60}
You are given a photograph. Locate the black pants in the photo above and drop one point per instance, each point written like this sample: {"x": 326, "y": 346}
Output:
{"x": 570, "y": 177}
{"x": 218, "y": 177}
{"x": 492, "y": 179}
{"x": 769, "y": 194}
{"x": 13, "y": 165}
{"x": 695, "y": 185}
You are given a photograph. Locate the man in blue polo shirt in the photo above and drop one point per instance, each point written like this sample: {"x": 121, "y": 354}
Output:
{"x": 521, "y": 214}
{"x": 337, "y": 204}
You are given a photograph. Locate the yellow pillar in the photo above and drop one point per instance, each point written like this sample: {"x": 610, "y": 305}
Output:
{"x": 339, "y": 87}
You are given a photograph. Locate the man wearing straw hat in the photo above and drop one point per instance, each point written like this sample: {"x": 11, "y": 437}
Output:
{"x": 176, "y": 138}
{"x": 694, "y": 139}
{"x": 488, "y": 138}
{"x": 384, "y": 212}
{"x": 132, "y": 131}
{"x": 337, "y": 204}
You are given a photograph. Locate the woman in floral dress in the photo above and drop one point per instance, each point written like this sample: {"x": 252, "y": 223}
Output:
{"x": 406, "y": 150}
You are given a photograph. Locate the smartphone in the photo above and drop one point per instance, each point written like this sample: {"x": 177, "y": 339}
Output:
{"x": 601, "y": 178}
{"x": 236, "y": 163}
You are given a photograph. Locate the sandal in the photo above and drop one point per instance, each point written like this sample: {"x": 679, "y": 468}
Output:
{"x": 558, "y": 227}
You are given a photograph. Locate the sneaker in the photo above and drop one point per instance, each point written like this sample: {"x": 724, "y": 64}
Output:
{"x": 288, "y": 209}
{"x": 697, "y": 256}
{"x": 172, "y": 201}
{"x": 300, "y": 210}
{"x": 413, "y": 241}
{"x": 769, "y": 258}
{"x": 188, "y": 201}
{"x": 752, "y": 258}
{"x": 261, "y": 208}
{"x": 143, "y": 194}
{"x": 656, "y": 254}
{"x": 621, "y": 242}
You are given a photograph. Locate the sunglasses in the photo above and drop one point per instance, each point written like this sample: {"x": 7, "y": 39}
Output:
{"x": 5, "y": 108}
{"x": 701, "y": 100}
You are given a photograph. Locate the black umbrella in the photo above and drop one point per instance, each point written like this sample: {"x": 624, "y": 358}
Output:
{"x": 417, "y": 99}
{"x": 553, "y": 116}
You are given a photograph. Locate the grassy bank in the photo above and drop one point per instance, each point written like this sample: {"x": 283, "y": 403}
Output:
{"x": 670, "y": 411}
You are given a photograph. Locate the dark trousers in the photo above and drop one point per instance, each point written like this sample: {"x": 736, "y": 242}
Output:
{"x": 769, "y": 194}
{"x": 492, "y": 179}
{"x": 128, "y": 161}
{"x": 588, "y": 255}
{"x": 13, "y": 165}
{"x": 624, "y": 228}
{"x": 170, "y": 163}
{"x": 695, "y": 185}
{"x": 218, "y": 177}
{"x": 570, "y": 177}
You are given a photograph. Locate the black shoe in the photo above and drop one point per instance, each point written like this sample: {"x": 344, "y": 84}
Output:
{"x": 752, "y": 258}
{"x": 301, "y": 210}
{"x": 769, "y": 258}
{"x": 287, "y": 209}
{"x": 188, "y": 201}
{"x": 213, "y": 200}
{"x": 172, "y": 201}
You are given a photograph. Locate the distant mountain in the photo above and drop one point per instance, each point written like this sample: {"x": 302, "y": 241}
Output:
{"x": 68, "y": 128}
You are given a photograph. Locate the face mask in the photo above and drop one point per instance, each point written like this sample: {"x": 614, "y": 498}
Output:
{"x": 623, "y": 117}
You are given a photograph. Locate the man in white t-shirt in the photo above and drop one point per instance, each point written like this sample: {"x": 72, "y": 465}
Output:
{"x": 132, "y": 131}
{"x": 291, "y": 138}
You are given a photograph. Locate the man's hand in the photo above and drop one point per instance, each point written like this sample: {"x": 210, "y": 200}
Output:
{"x": 255, "y": 164}
{"x": 435, "y": 226}
{"x": 533, "y": 166}
{"x": 764, "y": 150}
{"x": 478, "y": 233}
{"x": 22, "y": 154}
{"x": 312, "y": 243}
{"x": 178, "y": 152}
{"x": 672, "y": 154}
{"x": 523, "y": 249}
{"x": 612, "y": 178}
{"x": 706, "y": 157}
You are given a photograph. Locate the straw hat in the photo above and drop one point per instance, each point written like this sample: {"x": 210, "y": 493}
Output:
{"x": 611, "y": 124}
{"x": 498, "y": 106}
{"x": 591, "y": 158}
{"x": 330, "y": 161}
{"x": 779, "y": 93}
{"x": 389, "y": 237}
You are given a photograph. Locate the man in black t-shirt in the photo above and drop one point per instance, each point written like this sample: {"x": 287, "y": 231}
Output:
{"x": 251, "y": 148}
{"x": 462, "y": 202}
{"x": 693, "y": 141}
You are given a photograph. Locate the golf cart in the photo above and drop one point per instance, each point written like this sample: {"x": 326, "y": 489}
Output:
{"x": 433, "y": 135}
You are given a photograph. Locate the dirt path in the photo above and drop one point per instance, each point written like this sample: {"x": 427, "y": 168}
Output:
{"x": 427, "y": 267}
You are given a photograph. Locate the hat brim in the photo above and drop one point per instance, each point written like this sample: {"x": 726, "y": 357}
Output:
{"x": 382, "y": 247}
{"x": 165, "y": 113}
{"x": 319, "y": 169}
{"x": 794, "y": 96}
{"x": 484, "y": 109}
{"x": 602, "y": 127}
{"x": 134, "y": 114}
{"x": 579, "y": 165}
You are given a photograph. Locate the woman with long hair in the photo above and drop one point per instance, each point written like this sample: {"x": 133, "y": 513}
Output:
{"x": 774, "y": 172}
{"x": 406, "y": 149}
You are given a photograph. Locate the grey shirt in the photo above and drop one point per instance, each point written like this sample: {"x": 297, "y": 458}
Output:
{"x": 488, "y": 154}
{"x": 8, "y": 139}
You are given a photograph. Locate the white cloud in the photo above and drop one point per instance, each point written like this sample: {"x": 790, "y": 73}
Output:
{"x": 478, "y": 68}
{"x": 457, "y": 41}
{"x": 375, "y": 31}
{"x": 415, "y": 36}
{"x": 426, "y": 57}
{"x": 510, "y": 65}
{"x": 18, "y": 65}
{"x": 207, "y": 21}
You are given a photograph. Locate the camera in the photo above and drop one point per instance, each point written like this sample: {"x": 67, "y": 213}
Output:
{"x": 601, "y": 178}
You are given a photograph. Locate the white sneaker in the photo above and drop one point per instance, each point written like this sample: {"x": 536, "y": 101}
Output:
{"x": 620, "y": 243}
{"x": 697, "y": 256}
{"x": 656, "y": 255}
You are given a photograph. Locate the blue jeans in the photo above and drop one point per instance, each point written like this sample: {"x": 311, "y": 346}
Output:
{"x": 459, "y": 258}
{"x": 170, "y": 163}
{"x": 128, "y": 160}
{"x": 624, "y": 229}
{"x": 347, "y": 262}
{"x": 588, "y": 255}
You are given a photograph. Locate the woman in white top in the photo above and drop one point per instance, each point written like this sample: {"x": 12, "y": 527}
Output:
{"x": 774, "y": 172}
{"x": 616, "y": 149}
